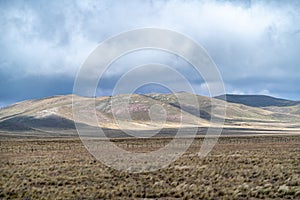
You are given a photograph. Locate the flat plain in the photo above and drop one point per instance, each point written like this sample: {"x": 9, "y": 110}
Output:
{"x": 238, "y": 167}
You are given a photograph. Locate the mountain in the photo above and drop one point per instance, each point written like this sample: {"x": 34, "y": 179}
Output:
{"x": 257, "y": 100}
{"x": 53, "y": 116}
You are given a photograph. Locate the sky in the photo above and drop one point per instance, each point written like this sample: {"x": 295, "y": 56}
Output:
{"x": 43, "y": 44}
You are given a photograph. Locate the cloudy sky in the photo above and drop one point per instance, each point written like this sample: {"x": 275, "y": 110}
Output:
{"x": 255, "y": 44}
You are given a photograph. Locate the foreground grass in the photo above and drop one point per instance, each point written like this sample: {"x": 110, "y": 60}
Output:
{"x": 236, "y": 169}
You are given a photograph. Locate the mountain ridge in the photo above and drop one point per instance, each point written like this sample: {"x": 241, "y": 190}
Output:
{"x": 257, "y": 100}
{"x": 55, "y": 114}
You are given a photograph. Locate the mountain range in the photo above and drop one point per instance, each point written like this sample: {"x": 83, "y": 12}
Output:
{"x": 53, "y": 116}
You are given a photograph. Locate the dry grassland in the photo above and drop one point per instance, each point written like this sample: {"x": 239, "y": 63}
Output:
{"x": 237, "y": 168}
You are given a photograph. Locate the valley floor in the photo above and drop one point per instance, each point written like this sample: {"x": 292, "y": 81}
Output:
{"x": 237, "y": 168}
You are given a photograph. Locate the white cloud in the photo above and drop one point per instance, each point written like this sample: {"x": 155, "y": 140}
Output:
{"x": 248, "y": 41}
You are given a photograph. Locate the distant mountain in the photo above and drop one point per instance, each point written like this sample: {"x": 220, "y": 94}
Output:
{"x": 54, "y": 115}
{"x": 257, "y": 100}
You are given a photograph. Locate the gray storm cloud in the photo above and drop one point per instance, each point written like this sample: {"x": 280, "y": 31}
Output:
{"x": 255, "y": 44}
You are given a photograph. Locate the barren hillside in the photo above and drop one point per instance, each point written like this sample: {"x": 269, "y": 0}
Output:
{"x": 151, "y": 111}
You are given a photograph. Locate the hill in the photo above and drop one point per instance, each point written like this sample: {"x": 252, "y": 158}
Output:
{"x": 53, "y": 116}
{"x": 257, "y": 100}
